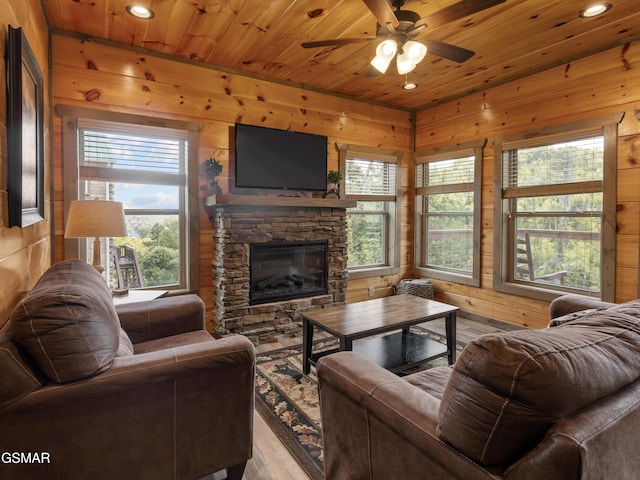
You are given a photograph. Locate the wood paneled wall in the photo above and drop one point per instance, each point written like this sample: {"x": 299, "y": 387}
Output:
{"x": 24, "y": 252}
{"x": 601, "y": 84}
{"x": 101, "y": 76}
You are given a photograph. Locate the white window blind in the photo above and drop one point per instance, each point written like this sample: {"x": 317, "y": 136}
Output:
{"x": 445, "y": 172}
{"x": 370, "y": 176}
{"x": 136, "y": 156}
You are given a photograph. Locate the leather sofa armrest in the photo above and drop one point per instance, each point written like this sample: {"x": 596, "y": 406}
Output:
{"x": 138, "y": 372}
{"x": 376, "y": 424}
{"x": 567, "y": 304}
{"x": 161, "y": 317}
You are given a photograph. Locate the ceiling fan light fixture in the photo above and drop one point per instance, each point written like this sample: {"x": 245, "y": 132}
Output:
{"x": 415, "y": 51}
{"x": 595, "y": 10}
{"x": 384, "y": 54}
{"x": 139, "y": 11}
{"x": 409, "y": 86}
{"x": 380, "y": 64}
{"x": 404, "y": 63}
{"x": 387, "y": 49}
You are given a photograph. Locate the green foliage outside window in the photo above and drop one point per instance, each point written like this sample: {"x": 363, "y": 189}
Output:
{"x": 157, "y": 249}
{"x": 368, "y": 223}
{"x": 449, "y": 230}
{"x": 365, "y": 231}
{"x": 564, "y": 228}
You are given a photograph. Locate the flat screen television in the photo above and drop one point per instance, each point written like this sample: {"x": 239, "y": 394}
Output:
{"x": 268, "y": 158}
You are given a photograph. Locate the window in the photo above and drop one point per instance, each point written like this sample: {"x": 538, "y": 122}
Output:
{"x": 448, "y": 190}
{"x": 147, "y": 169}
{"x": 556, "y": 188}
{"x": 371, "y": 178}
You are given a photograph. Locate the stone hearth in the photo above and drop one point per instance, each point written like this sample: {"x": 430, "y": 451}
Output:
{"x": 236, "y": 226}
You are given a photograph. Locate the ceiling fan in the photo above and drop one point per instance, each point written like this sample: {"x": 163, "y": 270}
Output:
{"x": 398, "y": 29}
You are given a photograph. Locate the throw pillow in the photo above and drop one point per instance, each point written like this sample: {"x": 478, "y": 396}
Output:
{"x": 68, "y": 324}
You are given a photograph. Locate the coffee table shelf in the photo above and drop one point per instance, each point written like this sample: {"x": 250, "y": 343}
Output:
{"x": 399, "y": 351}
{"x": 395, "y": 351}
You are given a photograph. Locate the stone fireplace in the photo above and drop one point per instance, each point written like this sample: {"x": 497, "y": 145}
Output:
{"x": 301, "y": 247}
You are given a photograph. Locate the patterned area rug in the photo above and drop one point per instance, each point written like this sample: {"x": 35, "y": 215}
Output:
{"x": 288, "y": 400}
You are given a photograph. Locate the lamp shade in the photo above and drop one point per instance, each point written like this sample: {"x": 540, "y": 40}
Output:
{"x": 95, "y": 218}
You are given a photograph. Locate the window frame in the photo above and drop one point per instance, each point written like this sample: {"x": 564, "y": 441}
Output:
{"x": 504, "y": 242}
{"x": 473, "y": 148}
{"x": 392, "y": 217}
{"x": 72, "y": 116}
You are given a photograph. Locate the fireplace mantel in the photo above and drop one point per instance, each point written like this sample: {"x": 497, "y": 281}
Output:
{"x": 277, "y": 201}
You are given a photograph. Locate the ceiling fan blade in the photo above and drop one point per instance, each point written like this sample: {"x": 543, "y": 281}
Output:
{"x": 336, "y": 41}
{"x": 372, "y": 72}
{"x": 382, "y": 11}
{"x": 448, "y": 51}
{"x": 458, "y": 10}
{"x": 416, "y": 30}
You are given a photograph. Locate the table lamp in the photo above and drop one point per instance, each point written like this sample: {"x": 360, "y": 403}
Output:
{"x": 95, "y": 218}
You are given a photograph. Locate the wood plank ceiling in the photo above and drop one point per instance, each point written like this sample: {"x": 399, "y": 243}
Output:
{"x": 262, "y": 38}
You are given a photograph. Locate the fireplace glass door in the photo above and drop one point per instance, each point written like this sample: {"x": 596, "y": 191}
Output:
{"x": 286, "y": 270}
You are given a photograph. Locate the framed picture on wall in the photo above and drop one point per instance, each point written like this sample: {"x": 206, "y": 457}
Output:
{"x": 25, "y": 133}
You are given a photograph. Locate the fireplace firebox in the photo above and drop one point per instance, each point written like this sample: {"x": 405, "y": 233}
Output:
{"x": 286, "y": 270}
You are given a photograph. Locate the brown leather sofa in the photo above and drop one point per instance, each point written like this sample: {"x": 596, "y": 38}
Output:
{"x": 559, "y": 403}
{"x": 141, "y": 391}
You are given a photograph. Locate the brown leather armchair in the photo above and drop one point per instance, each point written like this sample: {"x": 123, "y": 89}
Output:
{"x": 144, "y": 391}
{"x": 556, "y": 403}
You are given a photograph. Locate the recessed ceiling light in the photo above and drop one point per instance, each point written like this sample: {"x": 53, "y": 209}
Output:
{"x": 140, "y": 12}
{"x": 594, "y": 10}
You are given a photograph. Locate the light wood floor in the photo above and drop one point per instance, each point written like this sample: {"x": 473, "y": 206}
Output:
{"x": 271, "y": 459}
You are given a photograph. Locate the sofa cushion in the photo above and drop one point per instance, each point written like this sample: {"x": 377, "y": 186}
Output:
{"x": 68, "y": 324}
{"x": 432, "y": 380}
{"x": 125, "y": 347}
{"x": 507, "y": 389}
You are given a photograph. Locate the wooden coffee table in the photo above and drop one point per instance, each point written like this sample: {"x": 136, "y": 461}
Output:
{"x": 395, "y": 351}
